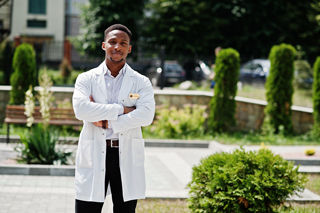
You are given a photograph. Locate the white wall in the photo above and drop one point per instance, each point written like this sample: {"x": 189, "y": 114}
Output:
{"x": 54, "y": 16}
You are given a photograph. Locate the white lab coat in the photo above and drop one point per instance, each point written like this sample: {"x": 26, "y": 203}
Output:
{"x": 91, "y": 153}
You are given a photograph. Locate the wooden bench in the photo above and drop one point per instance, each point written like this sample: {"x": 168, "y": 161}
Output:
{"x": 58, "y": 116}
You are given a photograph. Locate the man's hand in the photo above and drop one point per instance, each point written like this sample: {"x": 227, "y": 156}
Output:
{"x": 91, "y": 99}
{"x": 98, "y": 123}
{"x": 126, "y": 110}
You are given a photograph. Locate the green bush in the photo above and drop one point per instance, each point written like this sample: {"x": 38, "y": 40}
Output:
{"x": 255, "y": 181}
{"x": 222, "y": 104}
{"x": 39, "y": 146}
{"x": 316, "y": 97}
{"x": 57, "y": 78}
{"x": 65, "y": 70}
{"x": 24, "y": 67}
{"x": 187, "y": 122}
{"x": 279, "y": 88}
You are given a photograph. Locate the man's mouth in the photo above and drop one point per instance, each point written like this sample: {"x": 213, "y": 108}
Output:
{"x": 117, "y": 53}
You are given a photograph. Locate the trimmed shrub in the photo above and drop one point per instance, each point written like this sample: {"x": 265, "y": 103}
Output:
{"x": 316, "y": 97}
{"x": 279, "y": 88}
{"x": 255, "y": 181}
{"x": 222, "y": 104}
{"x": 24, "y": 75}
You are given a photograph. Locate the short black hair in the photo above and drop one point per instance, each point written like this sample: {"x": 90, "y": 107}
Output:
{"x": 117, "y": 27}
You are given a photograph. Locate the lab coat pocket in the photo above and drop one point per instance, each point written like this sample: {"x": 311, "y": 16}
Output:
{"x": 86, "y": 154}
{"x": 138, "y": 151}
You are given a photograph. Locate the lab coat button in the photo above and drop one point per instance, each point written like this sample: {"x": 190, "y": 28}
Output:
{"x": 102, "y": 133}
{"x": 103, "y": 170}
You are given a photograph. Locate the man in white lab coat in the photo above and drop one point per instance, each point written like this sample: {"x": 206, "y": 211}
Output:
{"x": 114, "y": 102}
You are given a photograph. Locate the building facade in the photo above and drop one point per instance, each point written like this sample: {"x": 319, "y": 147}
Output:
{"x": 47, "y": 25}
{"x": 5, "y": 19}
{"x": 38, "y": 20}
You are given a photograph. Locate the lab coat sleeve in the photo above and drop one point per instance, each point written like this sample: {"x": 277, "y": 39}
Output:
{"x": 143, "y": 114}
{"x": 86, "y": 110}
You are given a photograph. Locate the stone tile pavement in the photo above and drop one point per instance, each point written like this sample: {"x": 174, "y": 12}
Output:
{"x": 168, "y": 170}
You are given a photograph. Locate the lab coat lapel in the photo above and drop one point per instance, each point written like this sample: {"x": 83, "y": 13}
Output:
{"x": 101, "y": 82}
{"x": 127, "y": 83}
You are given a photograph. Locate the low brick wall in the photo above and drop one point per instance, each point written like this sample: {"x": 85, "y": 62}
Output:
{"x": 249, "y": 112}
{"x": 249, "y": 115}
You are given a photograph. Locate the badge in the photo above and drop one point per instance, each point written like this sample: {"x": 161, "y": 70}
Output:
{"x": 134, "y": 96}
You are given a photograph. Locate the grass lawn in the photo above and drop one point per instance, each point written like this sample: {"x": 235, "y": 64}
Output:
{"x": 314, "y": 183}
{"x": 181, "y": 206}
{"x": 162, "y": 206}
{"x": 251, "y": 138}
{"x": 247, "y": 138}
{"x": 16, "y": 129}
{"x": 300, "y": 97}
{"x": 238, "y": 138}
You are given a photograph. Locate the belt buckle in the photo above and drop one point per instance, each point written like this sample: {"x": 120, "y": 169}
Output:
{"x": 112, "y": 144}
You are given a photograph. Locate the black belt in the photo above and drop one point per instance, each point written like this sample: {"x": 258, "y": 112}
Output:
{"x": 113, "y": 143}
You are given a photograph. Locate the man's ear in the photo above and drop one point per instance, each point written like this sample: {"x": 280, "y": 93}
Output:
{"x": 103, "y": 46}
{"x": 129, "y": 51}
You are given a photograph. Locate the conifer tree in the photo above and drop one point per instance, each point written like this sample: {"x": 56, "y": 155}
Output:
{"x": 279, "y": 88}
{"x": 222, "y": 104}
{"x": 316, "y": 95}
{"x": 24, "y": 73}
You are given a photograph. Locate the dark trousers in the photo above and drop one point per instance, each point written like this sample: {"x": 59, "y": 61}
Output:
{"x": 114, "y": 177}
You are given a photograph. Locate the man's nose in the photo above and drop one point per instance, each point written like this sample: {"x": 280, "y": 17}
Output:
{"x": 117, "y": 46}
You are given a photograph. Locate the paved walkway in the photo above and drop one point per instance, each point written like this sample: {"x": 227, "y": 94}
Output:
{"x": 168, "y": 170}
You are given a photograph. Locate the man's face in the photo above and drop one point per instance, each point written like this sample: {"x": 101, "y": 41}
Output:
{"x": 117, "y": 46}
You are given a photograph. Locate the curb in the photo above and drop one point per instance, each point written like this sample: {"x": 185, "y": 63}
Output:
{"x": 170, "y": 143}
{"x": 54, "y": 170}
{"x": 162, "y": 143}
{"x": 39, "y": 170}
{"x": 305, "y": 162}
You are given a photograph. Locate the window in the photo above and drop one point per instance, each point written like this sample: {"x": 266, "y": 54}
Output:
{"x": 36, "y": 24}
{"x": 37, "y": 6}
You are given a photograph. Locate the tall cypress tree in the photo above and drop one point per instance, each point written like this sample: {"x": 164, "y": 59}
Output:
{"x": 24, "y": 75}
{"x": 279, "y": 88}
{"x": 316, "y": 95}
{"x": 222, "y": 104}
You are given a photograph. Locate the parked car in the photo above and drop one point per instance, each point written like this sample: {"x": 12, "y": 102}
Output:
{"x": 255, "y": 71}
{"x": 173, "y": 73}
{"x": 196, "y": 70}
